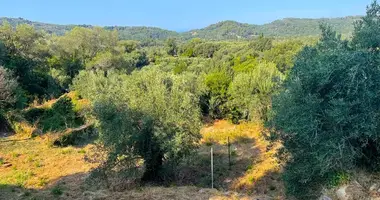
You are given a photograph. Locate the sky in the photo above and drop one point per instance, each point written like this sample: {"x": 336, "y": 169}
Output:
{"x": 175, "y": 14}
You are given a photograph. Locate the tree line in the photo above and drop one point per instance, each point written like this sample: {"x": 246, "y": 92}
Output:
{"x": 148, "y": 99}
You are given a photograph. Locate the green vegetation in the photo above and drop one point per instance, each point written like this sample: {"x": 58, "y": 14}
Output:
{"x": 328, "y": 113}
{"x": 226, "y": 30}
{"x": 144, "y": 95}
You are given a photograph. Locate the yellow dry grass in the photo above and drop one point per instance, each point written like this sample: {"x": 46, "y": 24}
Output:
{"x": 221, "y": 130}
{"x": 22, "y": 130}
{"x": 33, "y": 163}
{"x": 264, "y": 172}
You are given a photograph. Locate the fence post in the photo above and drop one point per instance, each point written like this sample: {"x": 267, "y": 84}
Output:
{"x": 212, "y": 169}
{"x": 229, "y": 153}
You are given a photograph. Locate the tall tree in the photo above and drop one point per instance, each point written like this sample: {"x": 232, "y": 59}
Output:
{"x": 8, "y": 87}
{"x": 367, "y": 29}
{"x": 171, "y": 46}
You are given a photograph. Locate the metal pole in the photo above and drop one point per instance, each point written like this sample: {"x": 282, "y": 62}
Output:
{"x": 229, "y": 153}
{"x": 212, "y": 170}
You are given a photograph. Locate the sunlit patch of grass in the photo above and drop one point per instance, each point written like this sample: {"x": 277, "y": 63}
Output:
{"x": 15, "y": 155}
{"x": 67, "y": 150}
{"x": 35, "y": 155}
{"x": 79, "y": 104}
{"x": 17, "y": 177}
{"x": 23, "y": 129}
{"x": 82, "y": 151}
{"x": 223, "y": 130}
{"x": 38, "y": 164}
{"x": 42, "y": 181}
{"x": 262, "y": 174}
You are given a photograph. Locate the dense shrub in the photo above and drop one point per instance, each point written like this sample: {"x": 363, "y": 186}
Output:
{"x": 60, "y": 116}
{"x": 33, "y": 114}
{"x": 328, "y": 114}
{"x": 8, "y": 86}
{"x": 250, "y": 92}
{"x": 217, "y": 84}
{"x": 150, "y": 115}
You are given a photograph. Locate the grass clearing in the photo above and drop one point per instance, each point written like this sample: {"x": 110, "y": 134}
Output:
{"x": 254, "y": 168}
{"x": 34, "y": 167}
{"x": 33, "y": 163}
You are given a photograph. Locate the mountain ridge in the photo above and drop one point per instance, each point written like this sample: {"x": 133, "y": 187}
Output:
{"x": 223, "y": 30}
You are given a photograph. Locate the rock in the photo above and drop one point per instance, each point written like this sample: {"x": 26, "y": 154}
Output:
{"x": 373, "y": 187}
{"x": 352, "y": 192}
{"x": 37, "y": 132}
{"x": 6, "y": 165}
{"x": 210, "y": 191}
{"x": 341, "y": 193}
{"x": 324, "y": 197}
{"x": 228, "y": 180}
{"x": 85, "y": 177}
{"x": 98, "y": 195}
{"x": 72, "y": 136}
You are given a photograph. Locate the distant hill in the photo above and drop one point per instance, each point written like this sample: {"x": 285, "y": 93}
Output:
{"x": 125, "y": 32}
{"x": 226, "y": 30}
{"x": 279, "y": 28}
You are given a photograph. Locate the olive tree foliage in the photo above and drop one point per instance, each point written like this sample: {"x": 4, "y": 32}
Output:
{"x": 8, "y": 86}
{"x": 71, "y": 52}
{"x": 328, "y": 114}
{"x": 23, "y": 40}
{"x": 250, "y": 92}
{"x": 84, "y": 43}
{"x": 261, "y": 43}
{"x": 92, "y": 49}
{"x": 366, "y": 30}
{"x": 171, "y": 47}
{"x": 150, "y": 114}
{"x": 24, "y": 52}
{"x": 283, "y": 54}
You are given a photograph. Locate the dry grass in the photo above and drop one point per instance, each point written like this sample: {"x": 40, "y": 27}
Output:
{"x": 22, "y": 130}
{"x": 40, "y": 168}
{"x": 220, "y": 131}
{"x": 262, "y": 175}
{"x": 34, "y": 163}
{"x": 79, "y": 104}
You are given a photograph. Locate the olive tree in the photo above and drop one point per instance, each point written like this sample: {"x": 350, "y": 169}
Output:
{"x": 250, "y": 92}
{"x": 149, "y": 114}
{"x": 8, "y": 86}
{"x": 328, "y": 114}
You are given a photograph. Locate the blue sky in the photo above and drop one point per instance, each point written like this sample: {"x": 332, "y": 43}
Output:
{"x": 175, "y": 14}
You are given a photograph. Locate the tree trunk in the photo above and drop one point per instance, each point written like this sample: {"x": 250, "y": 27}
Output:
{"x": 153, "y": 165}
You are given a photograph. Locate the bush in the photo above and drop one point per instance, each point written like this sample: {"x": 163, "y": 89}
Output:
{"x": 74, "y": 137}
{"x": 57, "y": 191}
{"x": 33, "y": 114}
{"x": 8, "y": 86}
{"x": 60, "y": 116}
{"x": 328, "y": 114}
{"x": 149, "y": 115}
{"x": 217, "y": 84}
{"x": 250, "y": 92}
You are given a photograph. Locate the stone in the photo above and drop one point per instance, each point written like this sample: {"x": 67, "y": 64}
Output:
{"x": 36, "y": 132}
{"x": 228, "y": 180}
{"x": 341, "y": 193}
{"x": 98, "y": 195}
{"x": 373, "y": 187}
{"x": 6, "y": 165}
{"x": 324, "y": 197}
{"x": 352, "y": 191}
